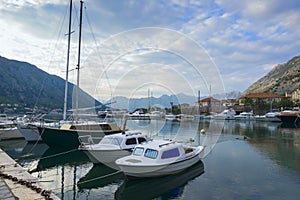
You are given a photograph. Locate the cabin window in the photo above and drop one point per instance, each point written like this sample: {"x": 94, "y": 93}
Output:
{"x": 141, "y": 140}
{"x": 150, "y": 153}
{"x": 115, "y": 141}
{"x": 170, "y": 153}
{"x": 138, "y": 151}
{"x": 130, "y": 141}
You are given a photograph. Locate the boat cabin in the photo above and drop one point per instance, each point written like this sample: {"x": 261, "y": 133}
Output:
{"x": 161, "y": 150}
{"x": 127, "y": 140}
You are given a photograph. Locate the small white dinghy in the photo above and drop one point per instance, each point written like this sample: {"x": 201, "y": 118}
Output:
{"x": 112, "y": 147}
{"x": 159, "y": 158}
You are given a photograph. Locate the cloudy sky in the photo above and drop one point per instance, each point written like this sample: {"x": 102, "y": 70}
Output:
{"x": 168, "y": 46}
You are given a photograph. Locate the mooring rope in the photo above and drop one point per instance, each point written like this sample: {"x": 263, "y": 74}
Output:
{"x": 87, "y": 181}
{"x": 58, "y": 154}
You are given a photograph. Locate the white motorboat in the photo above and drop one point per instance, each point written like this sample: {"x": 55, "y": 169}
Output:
{"x": 6, "y": 123}
{"x": 184, "y": 117}
{"x": 245, "y": 116}
{"x": 10, "y": 134}
{"x": 155, "y": 115}
{"x": 227, "y": 114}
{"x": 112, "y": 147}
{"x": 139, "y": 115}
{"x": 171, "y": 117}
{"x": 268, "y": 117}
{"x": 159, "y": 158}
{"x": 8, "y": 129}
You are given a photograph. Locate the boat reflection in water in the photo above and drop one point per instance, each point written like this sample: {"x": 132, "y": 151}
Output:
{"x": 165, "y": 187}
{"x": 54, "y": 157}
{"x": 57, "y": 168}
{"x": 99, "y": 176}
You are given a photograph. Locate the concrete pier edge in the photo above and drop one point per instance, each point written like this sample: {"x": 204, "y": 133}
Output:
{"x": 17, "y": 183}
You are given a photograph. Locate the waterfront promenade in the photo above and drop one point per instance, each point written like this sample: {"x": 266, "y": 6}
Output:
{"x": 17, "y": 183}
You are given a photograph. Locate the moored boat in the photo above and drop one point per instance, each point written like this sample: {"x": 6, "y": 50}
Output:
{"x": 112, "y": 147}
{"x": 67, "y": 135}
{"x": 159, "y": 158}
{"x": 29, "y": 132}
{"x": 245, "y": 116}
{"x": 170, "y": 186}
{"x": 227, "y": 114}
{"x": 10, "y": 134}
{"x": 171, "y": 117}
{"x": 268, "y": 117}
{"x": 185, "y": 117}
{"x": 8, "y": 129}
{"x": 139, "y": 115}
{"x": 289, "y": 116}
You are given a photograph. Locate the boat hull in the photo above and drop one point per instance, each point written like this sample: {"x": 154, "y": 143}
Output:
{"x": 107, "y": 157}
{"x": 69, "y": 138}
{"x": 292, "y": 119}
{"x": 10, "y": 134}
{"x": 142, "y": 171}
{"x": 30, "y": 133}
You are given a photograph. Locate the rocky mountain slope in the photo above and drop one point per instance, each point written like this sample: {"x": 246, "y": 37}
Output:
{"x": 282, "y": 78}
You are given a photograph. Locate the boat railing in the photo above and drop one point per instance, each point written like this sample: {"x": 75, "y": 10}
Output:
{"x": 88, "y": 139}
{"x": 167, "y": 143}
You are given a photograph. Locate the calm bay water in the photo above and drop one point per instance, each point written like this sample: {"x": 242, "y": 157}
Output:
{"x": 263, "y": 165}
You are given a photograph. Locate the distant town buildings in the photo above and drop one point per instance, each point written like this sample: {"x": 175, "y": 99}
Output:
{"x": 184, "y": 105}
{"x": 263, "y": 97}
{"x": 229, "y": 102}
{"x": 295, "y": 95}
{"x": 210, "y": 104}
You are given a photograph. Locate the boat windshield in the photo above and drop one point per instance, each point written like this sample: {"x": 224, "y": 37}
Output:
{"x": 115, "y": 141}
{"x": 138, "y": 151}
{"x": 151, "y": 153}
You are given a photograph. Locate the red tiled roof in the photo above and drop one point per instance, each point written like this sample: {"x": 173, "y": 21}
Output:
{"x": 262, "y": 95}
{"x": 209, "y": 99}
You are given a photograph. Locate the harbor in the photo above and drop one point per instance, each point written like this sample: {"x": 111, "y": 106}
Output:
{"x": 131, "y": 100}
{"x": 251, "y": 160}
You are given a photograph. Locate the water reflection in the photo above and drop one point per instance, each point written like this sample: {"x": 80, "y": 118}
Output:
{"x": 265, "y": 161}
{"x": 162, "y": 188}
{"x": 99, "y": 176}
{"x": 282, "y": 145}
{"x": 54, "y": 157}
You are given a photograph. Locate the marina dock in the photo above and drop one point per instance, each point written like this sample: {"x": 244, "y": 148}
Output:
{"x": 17, "y": 183}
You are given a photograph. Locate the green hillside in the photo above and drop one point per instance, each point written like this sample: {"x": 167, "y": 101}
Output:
{"x": 24, "y": 83}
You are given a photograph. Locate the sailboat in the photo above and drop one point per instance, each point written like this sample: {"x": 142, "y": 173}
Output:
{"x": 67, "y": 135}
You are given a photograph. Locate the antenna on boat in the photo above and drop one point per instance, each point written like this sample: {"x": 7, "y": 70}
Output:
{"x": 67, "y": 67}
{"x": 78, "y": 63}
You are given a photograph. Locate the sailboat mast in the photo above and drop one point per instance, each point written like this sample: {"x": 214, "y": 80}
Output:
{"x": 67, "y": 68}
{"x": 78, "y": 63}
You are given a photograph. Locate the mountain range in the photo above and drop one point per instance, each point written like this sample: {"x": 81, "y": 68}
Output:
{"x": 163, "y": 101}
{"x": 24, "y": 83}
